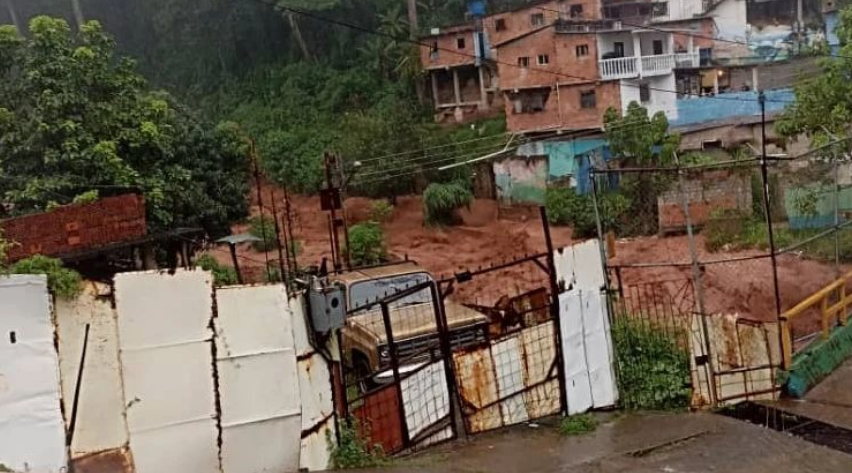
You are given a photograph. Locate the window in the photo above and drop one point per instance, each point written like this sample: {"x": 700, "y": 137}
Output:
{"x": 612, "y": 12}
{"x": 530, "y": 101}
{"x": 575, "y": 11}
{"x": 658, "y": 47}
{"x": 543, "y": 59}
{"x": 582, "y": 50}
{"x": 524, "y": 61}
{"x": 660, "y": 8}
{"x": 588, "y": 99}
{"x": 500, "y": 24}
{"x": 537, "y": 19}
{"x": 434, "y": 52}
{"x": 644, "y": 10}
{"x": 644, "y": 92}
{"x": 460, "y": 43}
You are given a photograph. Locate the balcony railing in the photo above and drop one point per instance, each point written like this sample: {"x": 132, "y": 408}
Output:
{"x": 645, "y": 66}
{"x": 658, "y": 65}
{"x": 619, "y": 68}
{"x": 687, "y": 59}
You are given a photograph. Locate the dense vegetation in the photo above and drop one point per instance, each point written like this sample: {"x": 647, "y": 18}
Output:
{"x": 76, "y": 120}
{"x": 297, "y": 84}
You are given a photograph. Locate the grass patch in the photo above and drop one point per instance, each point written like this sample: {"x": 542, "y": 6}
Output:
{"x": 653, "y": 369}
{"x": 578, "y": 424}
{"x": 353, "y": 452}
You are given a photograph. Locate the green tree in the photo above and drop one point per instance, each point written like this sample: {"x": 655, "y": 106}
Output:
{"x": 639, "y": 139}
{"x": 75, "y": 118}
{"x": 823, "y": 106}
{"x": 63, "y": 282}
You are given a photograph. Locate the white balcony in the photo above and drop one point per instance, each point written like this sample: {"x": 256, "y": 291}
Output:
{"x": 687, "y": 59}
{"x": 632, "y": 67}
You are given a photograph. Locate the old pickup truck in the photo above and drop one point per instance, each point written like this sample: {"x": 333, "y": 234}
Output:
{"x": 413, "y": 322}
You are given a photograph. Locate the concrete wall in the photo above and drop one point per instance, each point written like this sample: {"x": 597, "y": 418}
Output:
{"x": 519, "y": 22}
{"x": 448, "y": 53}
{"x": 77, "y": 227}
{"x": 818, "y": 361}
{"x": 521, "y": 179}
{"x": 713, "y": 191}
{"x": 565, "y": 66}
{"x": 562, "y": 110}
{"x": 730, "y": 16}
{"x": 660, "y": 101}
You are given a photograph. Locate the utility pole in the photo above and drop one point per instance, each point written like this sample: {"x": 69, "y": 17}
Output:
{"x": 10, "y": 6}
{"x": 331, "y": 202}
{"x": 78, "y": 14}
{"x": 764, "y": 174}
{"x": 414, "y": 23}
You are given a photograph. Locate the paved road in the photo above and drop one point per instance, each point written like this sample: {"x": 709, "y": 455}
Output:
{"x": 679, "y": 443}
{"x": 829, "y": 402}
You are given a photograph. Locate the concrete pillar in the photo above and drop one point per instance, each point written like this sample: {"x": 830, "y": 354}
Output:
{"x": 637, "y": 53}
{"x": 671, "y": 44}
{"x": 435, "y": 96}
{"x": 456, "y": 86}
{"x": 755, "y": 79}
{"x": 690, "y": 44}
{"x": 716, "y": 82}
{"x": 483, "y": 94}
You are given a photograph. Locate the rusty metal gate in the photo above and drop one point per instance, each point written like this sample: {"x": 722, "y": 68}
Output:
{"x": 396, "y": 374}
{"x": 514, "y": 374}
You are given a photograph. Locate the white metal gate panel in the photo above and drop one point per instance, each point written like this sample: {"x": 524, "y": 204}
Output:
{"x": 589, "y": 373}
{"x": 32, "y": 434}
{"x": 258, "y": 381}
{"x": 425, "y": 398}
{"x": 100, "y": 417}
{"x": 165, "y": 336}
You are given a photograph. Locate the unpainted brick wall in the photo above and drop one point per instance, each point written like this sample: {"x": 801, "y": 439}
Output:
{"x": 77, "y": 227}
{"x": 717, "y": 190}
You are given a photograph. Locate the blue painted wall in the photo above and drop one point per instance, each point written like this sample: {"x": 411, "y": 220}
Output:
{"x": 831, "y": 21}
{"x": 693, "y": 111}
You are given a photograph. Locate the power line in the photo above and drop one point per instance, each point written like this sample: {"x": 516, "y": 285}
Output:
{"x": 448, "y": 145}
{"x": 473, "y": 56}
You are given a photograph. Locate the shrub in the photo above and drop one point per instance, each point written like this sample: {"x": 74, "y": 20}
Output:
{"x": 653, "y": 369}
{"x": 367, "y": 244}
{"x": 578, "y": 424}
{"x": 63, "y": 282}
{"x": 381, "y": 211}
{"x": 222, "y": 275}
{"x": 263, "y": 227}
{"x": 351, "y": 452}
{"x": 565, "y": 207}
{"x": 441, "y": 200}
{"x": 87, "y": 197}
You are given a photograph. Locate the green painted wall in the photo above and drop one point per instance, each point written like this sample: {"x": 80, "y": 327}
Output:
{"x": 818, "y": 361}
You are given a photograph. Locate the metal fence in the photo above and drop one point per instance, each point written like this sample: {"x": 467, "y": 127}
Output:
{"x": 753, "y": 237}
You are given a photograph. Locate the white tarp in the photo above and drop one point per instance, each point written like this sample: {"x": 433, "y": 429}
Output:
{"x": 258, "y": 381}
{"x": 100, "y": 417}
{"x": 32, "y": 434}
{"x": 167, "y": 366}
{"x": 588, "y": 360}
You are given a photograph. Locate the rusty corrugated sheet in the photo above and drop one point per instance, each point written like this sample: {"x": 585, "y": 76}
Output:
{"x": 478, "y": 389}
{"x": 378, "y": 419}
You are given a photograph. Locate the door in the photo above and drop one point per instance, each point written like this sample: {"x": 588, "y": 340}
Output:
{"x": 618, "y": 48}
{"x": 658, "y": 47}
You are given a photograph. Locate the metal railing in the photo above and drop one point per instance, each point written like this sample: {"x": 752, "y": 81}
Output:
{"x": 831, "y": 303}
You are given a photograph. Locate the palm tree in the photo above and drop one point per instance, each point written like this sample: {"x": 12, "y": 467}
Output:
{"x": 291, "y": 9}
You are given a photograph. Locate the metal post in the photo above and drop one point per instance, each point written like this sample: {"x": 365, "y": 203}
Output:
{"x": 601, "y": 237}
{"x": 397, "y": 378}
{"x": 554, "y": 309}
{"x": 295, "y": 266}
{"x": 447, "y": 353}
{"x": 699, "y": 286}
{"x": 281, "y": 268}
{"x": 836, "y": 215}
{"x": 329, "y": 185}
{"x": 74, "y": 407}
{"x": 764, "y": 175}
{"x": 233, "y": 248}
{"x": 260, "y": 205}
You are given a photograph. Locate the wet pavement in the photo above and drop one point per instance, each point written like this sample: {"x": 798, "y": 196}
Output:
{"x": 672, "y": 443}
{"x": 829, "y": 402}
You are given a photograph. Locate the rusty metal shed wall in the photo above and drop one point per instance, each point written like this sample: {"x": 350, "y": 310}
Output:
{"x": 32, "y": 437}
{"x": 101, "y": 425}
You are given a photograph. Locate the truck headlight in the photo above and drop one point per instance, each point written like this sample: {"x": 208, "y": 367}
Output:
{"x": 384, "y": 353}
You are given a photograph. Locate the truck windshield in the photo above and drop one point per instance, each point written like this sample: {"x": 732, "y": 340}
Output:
{"x": 365, "y": 292}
